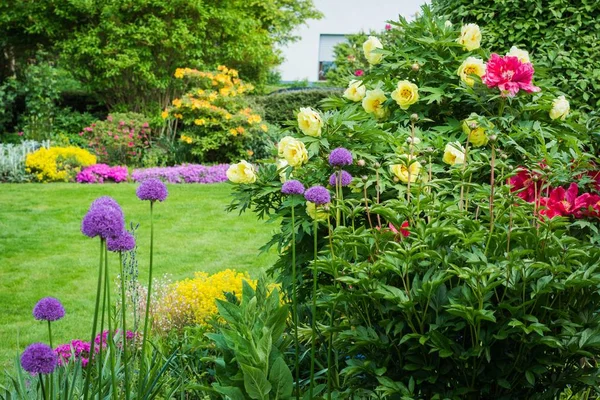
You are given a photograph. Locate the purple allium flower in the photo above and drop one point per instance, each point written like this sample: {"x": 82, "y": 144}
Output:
{"x": 103, "y": 219}
{"x": 318, "y": 195}
{"x": 292, "y": 187}
{"x": 48, "y": 309}
{"x": 39, "y": 358}
{"x": 152, "y": 189}
{"x": 124, "y": 242}
{"x": 346, "y": 178}
{"x": 340, "y": 157}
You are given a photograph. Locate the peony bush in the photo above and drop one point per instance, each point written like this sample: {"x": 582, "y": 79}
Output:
{"x": 446, "y": 245}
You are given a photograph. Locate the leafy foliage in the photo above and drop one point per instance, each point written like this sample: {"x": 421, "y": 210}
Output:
{"x": 281, "y": 107}
{"x": 443, "y": 284}
{"x": 349, "y": 59}
{"x": 560, "y": 34}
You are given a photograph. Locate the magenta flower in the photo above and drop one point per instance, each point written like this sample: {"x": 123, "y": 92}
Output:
{"x": 388, "y": 27}
{"x": 318, "y": 195}
{"x": 509, "y": 75}
{"x": 39, "y": 358}
{"x": 359, "y": 72}
{"x": 78, "y": 348}
{"x": 48, "y": 309}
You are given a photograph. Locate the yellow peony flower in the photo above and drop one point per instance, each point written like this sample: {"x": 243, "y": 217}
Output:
{"x": 522, "y": 55}
{"x": 454, "y": 153}
{"x": 264, "y": 128}
{"x": 164, "y": 114}
{"x": 293, "y": 151}
{"x": 560, "y": 108}
{"x": 319, "y": 214}
{"x": 470, "y": 37}
{"x": 373, "y": 102}
{"x": 475, "y": 132}
{"x": 355, "y": 91}
{"x": 406, "y": 93}
{"x": 369, "y": 46}
{"x": 310, "y": 122}
{"x": 242, "y": 172}
{"x": 471, "y": 66}
{"x": 407, "y": 173}
{"x": 179, "y": 73}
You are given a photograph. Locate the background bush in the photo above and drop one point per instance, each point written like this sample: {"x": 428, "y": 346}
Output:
{"x": 58, "y": 164}
{"x": 562, "y": 36}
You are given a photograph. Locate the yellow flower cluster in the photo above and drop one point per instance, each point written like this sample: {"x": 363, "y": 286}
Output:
{"x": 226, "y": 80}
{"x": 197, "y": 296}
{"x": 186, "y": 139}
{"x": 58, "y": 164}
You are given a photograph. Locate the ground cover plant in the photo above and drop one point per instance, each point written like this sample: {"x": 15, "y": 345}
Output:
{"x": 35, "y": 266}
{"x": 446, "y": 243}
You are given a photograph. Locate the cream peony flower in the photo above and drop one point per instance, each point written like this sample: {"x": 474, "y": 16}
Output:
{"x": 477, "y": 135}
{"x": 470, "y": 36}
{"x": 242, "y": 172}
{"x": 369, "y": 46}
{"x": 522, "y": 55}
{"x": 406, "y": 93}
{"x": 356, "y": 91}
{"x": 310, "y": 122}
{"x": 373, "y": 102}
{"x": 448, "y": 24}
{"x": 407, "y": 173}
{"x": 320, "y": 214}
{"x": 454, "y": 153}
{"x": 471, "y": 66}
{"x": 281, "y": 167}
{"x": 293, "y": 151}
{"x": 560, "y": 108}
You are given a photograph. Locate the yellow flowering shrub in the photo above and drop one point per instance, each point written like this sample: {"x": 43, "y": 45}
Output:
{"x": 192, "y": 301}
{"x": 214, "y": 113}
{"x": 58, "y": 164}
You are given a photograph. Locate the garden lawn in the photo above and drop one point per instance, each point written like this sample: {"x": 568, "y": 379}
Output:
{"x": 43, "y": 253}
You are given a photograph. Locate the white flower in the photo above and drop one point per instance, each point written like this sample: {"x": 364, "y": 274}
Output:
{"x": 522, "y": 55}
{"x": 560, "y": 108}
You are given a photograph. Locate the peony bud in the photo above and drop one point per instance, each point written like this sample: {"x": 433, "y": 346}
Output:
{"x": 361, "y": 163}
{"x": 414, "y": 117}
{"x": 377, "y": 165}
{"x": 416, "y": 67}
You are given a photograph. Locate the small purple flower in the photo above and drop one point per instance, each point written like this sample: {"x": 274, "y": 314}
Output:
{"x": 152, "y": 189}
{"x": 104, "y": 218}
{"x": 124, "y": 242}
{"x": 318, "y": 195}
{"x": 48, "y": 309}
{"x": 292, "y": 187}
{"x": 340, "y": 157}
{"x": 346, "y": 178}
{"x": 39, "y": 358}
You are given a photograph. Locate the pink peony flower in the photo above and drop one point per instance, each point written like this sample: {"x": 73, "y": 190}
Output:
{"x": 510, "y": 75}
{"x": 20, "y": 133}
{"x": 388, "y": 27}
{"x": 130, "y": 144}
{"x": 359, "y": 72}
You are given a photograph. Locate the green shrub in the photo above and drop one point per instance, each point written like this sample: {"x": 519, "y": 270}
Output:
{"x": 560, "y": 34}
{"x": 454, "y": 265}
{"x": 281, "y": 107}
{"x": 349, "y": 58}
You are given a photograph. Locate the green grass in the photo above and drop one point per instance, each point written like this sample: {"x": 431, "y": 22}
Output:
{"x": 43, "y": 253}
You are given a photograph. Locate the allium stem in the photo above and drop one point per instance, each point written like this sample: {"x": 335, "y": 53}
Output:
{"x": 294, "y": 302}
{"x": 124, "y": 326}
{"x": 94, "y": 325}
{"x": 314, "y": 313}
{"x": 110, "y": 338}
{"x": 100, "y": 346}
{"x": 41, "y": 377}
{"x": 50, "y": 333}
{"x": 148, "y": 296}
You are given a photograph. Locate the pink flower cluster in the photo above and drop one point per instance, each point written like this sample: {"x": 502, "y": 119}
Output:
{"x": 99, "y": 173}
{"x": 80, "y": 350}
{"x": 190, "y": 173}
{"x": 509, "y": 75}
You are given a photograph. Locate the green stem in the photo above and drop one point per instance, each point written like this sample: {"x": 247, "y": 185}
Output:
{"x": 100, "y": 346}
{"x": 148, "y": 298}
{"x": 314, "y": 312}
{"x": 43, "y": 388}
{"x": 94, "y": 325}
{"x": 50, "y": 333}
{"x": 331, "y": 316}
{"x": 124, "y": 326}
{"x": 110, "y": 338}
{"x": 294, "y": 302}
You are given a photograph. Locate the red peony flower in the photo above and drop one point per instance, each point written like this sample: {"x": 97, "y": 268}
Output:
{"x": 509, "y": 74}
{"x": 525, "y": 184}
{"x": 359, "y": 72}
{"x": 563, "y": 202}
{"x": 403, "y": 229}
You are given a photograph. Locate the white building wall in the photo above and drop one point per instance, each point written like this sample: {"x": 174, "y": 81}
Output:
{"x": 340, "y": 17}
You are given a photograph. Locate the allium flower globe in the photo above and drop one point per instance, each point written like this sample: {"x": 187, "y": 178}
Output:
{"x": 345, "y": 181}
{"x": 292, "y": 187}
{"x": 152, "y": 189}
{"x": 124, "y": 242}
{"x": 318, "y": 195}
{"x": 340, "y": 157}
{"x": 39, "y": 358}
{"x": 103, "y": 219}
{"x": 48, "y": 309}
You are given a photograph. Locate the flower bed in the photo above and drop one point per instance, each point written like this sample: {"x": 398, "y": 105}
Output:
{"x": 191, "y": 173}
{"x": 99, "y": 173}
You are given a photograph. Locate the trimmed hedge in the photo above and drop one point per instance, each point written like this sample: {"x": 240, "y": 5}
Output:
{"x": 561, "y": 35}
{"x": 283, "y": 105}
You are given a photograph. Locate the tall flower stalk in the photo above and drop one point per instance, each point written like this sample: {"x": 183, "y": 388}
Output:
{"x": 48, "y": 309}
{"x": 294, "y": 188}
